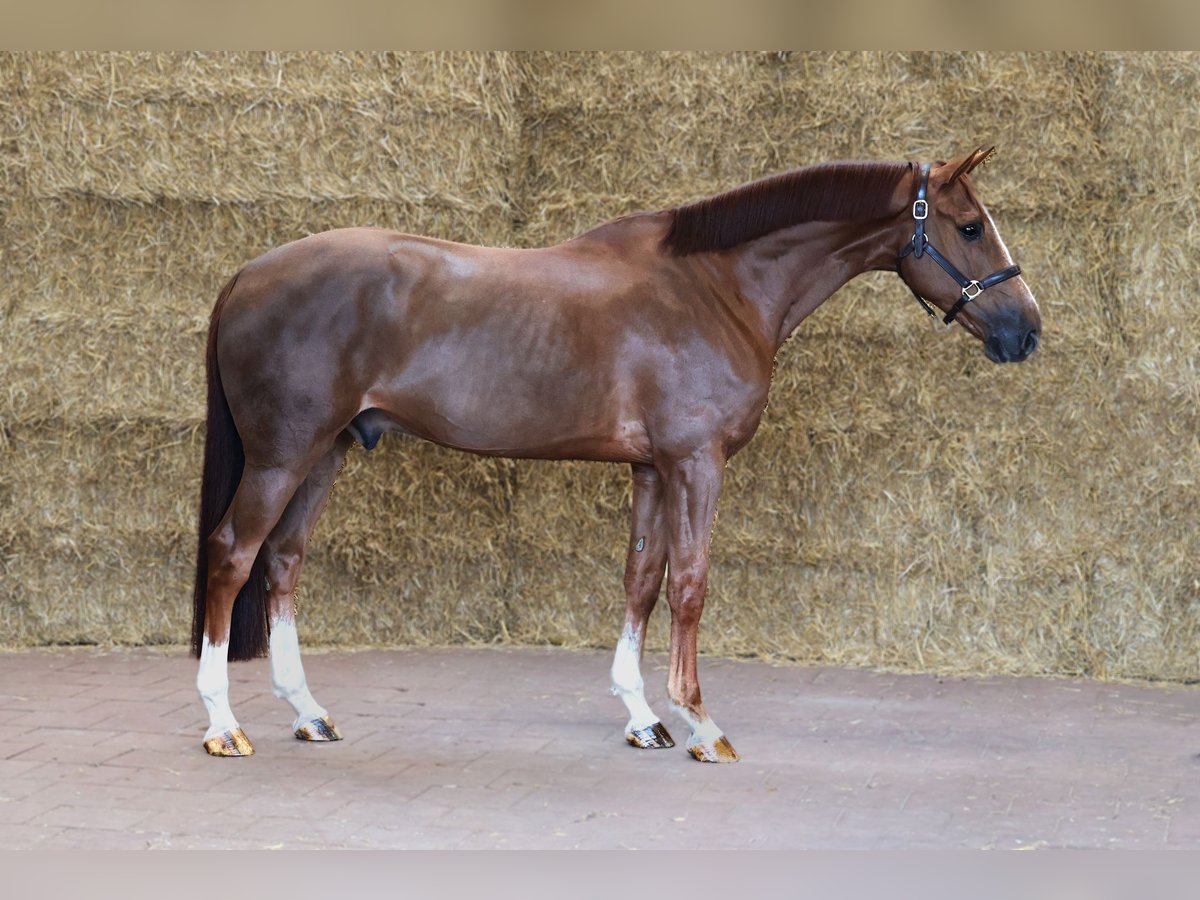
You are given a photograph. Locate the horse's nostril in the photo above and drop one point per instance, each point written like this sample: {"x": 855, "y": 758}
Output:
{"x": 1030, "y": 343}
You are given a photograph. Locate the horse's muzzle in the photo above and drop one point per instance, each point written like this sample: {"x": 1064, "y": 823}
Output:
{"x": 1011, "y": 343}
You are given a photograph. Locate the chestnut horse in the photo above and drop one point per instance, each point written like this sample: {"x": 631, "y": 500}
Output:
{"x": 649, "y": 340}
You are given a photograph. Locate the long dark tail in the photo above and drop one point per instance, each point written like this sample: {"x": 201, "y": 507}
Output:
{"x": 224, "y": 459}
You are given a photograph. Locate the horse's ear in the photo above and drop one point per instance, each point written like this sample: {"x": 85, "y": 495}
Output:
{"x": 969, "y": 162}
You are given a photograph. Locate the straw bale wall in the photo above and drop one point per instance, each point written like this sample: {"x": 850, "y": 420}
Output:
{"x": 905, "y": 503}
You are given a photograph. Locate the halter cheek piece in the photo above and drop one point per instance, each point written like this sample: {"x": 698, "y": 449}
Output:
{"x": 919, "y": 245}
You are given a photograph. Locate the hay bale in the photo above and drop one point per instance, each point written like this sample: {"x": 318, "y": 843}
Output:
{"x": 970, "y": 538}
{"x": 905, "y": 503}
{"x": 229, "y": 128}
{"x": 138, "y": 183}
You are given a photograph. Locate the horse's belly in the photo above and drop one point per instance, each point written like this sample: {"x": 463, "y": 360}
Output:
{"x": 496, "y": 419}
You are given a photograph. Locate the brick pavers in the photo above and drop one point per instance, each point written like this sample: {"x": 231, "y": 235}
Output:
{"x": 523, "y": 748}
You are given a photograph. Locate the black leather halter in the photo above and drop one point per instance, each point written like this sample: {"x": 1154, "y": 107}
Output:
{"x": 919, "y": 245}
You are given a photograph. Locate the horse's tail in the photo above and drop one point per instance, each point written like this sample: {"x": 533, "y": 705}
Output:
{"x": 224, "y": 459}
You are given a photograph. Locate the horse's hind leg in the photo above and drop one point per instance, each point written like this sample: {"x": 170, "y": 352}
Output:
{"x": 233, "y": 546}
{"x": 644, "y": 565}
{"x": 285, "y": 550}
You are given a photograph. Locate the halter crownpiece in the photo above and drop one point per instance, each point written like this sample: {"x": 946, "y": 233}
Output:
{"x": 918, "y": 245}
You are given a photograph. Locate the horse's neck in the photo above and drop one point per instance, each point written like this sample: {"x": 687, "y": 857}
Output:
{"x": 789, "y": 273}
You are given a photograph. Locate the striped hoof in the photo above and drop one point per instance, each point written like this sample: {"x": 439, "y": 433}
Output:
{"x": 230, "y": 743}
{"x": 651, "y": 737}
{"x": 718, "y": 751}
{"x": 321, "y": 729}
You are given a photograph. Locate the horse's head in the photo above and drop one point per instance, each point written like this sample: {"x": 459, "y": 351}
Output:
{"x": 957, "y": 261}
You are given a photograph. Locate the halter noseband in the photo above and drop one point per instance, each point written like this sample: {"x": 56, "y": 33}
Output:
{"x": 919, "y": 245}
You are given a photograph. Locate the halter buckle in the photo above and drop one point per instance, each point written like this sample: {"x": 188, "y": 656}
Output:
{"x": 966, "y": 291}
{"x": 920, "y": 210}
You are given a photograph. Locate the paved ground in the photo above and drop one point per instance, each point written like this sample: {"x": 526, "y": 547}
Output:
{"x": 524, "y": 748}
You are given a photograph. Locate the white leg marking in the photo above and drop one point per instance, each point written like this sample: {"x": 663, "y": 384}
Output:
{"x": 627, "y": 680}
{"x": 212, "y": 681}
{"x": 704, "y": 731}
{"x": 287, "y": 673}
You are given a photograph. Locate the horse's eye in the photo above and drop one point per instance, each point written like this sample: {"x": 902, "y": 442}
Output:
{"x": 972, "y": 231}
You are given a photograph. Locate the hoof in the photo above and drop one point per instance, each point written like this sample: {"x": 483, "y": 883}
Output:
{"x": 651, "y": 737}
{"x": 230, "y": 743}
{"x": 321, "y": 729}
{"x": 718, "y": 751}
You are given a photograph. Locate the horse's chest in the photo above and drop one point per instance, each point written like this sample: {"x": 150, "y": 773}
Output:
{"x": 743, "y": 420}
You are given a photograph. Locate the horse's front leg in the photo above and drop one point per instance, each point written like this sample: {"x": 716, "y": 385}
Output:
{"x": 644, "y": 567}
{"x": 693, "y": 485}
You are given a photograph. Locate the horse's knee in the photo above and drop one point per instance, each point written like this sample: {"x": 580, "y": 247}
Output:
{"x": 686, "y": 598}
{"x": 643, "y": 588}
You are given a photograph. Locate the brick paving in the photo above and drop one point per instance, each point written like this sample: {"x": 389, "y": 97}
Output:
{"x": 523, "y": 748}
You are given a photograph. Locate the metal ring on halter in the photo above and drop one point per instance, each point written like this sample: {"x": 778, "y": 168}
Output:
{"x": 967, "y": 290}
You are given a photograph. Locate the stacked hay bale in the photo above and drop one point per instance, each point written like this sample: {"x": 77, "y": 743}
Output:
{"x": 905, "y": 502}
{"x": 145, "y": 181}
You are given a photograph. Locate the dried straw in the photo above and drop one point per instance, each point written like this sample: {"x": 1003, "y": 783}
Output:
{"x": 905, "y": 503}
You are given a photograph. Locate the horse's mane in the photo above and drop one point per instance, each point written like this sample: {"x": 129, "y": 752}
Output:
{"x": 828, "y": 192}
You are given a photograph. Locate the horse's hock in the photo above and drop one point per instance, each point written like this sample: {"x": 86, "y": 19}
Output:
{"x": 904, "y": 502}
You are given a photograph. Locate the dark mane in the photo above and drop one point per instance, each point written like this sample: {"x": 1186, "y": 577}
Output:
{"x": 836, "y": 191}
